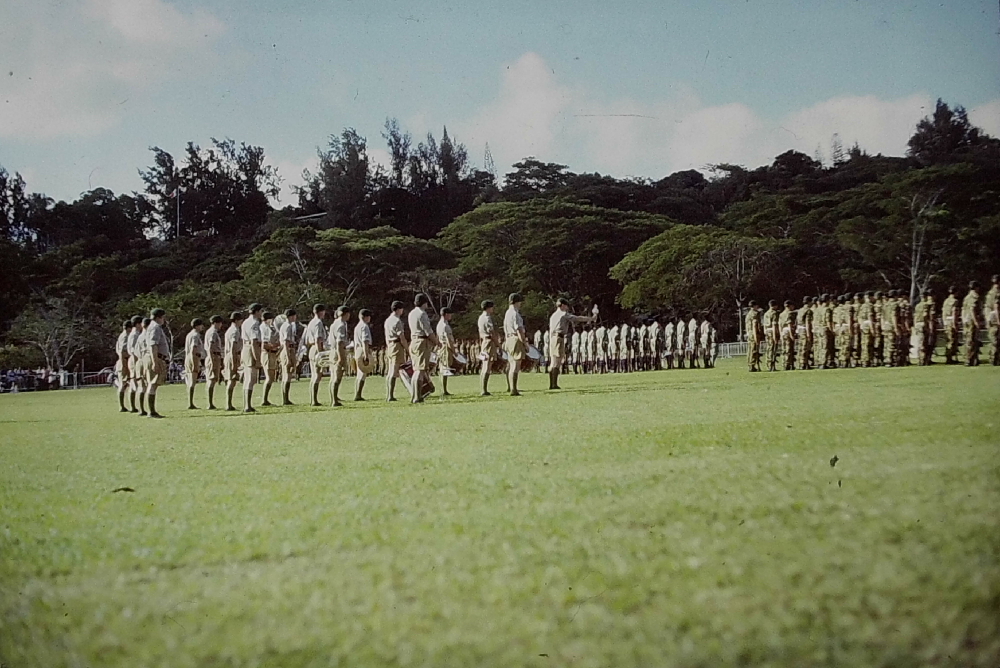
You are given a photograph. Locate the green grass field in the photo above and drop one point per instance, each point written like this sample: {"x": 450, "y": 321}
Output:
{"x": 685, "y": 518}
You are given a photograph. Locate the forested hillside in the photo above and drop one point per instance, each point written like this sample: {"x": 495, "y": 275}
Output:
{"x": 432, "y": 222}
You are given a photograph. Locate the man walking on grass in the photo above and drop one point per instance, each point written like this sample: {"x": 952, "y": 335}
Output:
{"x": 422, "y": 342}
{"x": 396, "y": 346}
{"x": 489, "y": 345}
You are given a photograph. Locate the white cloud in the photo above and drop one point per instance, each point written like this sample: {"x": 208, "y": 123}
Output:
{"x": 534, "y": 114}
{"x": 987, "y": 117}
{"x": 71, "y": 68}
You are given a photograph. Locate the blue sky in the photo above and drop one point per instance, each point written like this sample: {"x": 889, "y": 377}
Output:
{"x": 627, "y": 88}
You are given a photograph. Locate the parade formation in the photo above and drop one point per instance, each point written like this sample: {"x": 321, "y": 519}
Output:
{"x": 873, "y": 329}
{"x": 276, "y": 348}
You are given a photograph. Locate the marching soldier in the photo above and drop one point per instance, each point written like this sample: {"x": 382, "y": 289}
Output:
{"x": 772, "y": 332}
{"x": 446, "y": 349}
{"x": 705, "y": 343}
{"x": 560, "y": 325}
{"x": 251, "y": 351}
{"x": 923, "y": 326}
{"x": 364, "y": 358}
{"x": 396, "y": 346}
{"x": 890, "y": 329}
{"x": 422, "y": 343}
{"x": 270, "y": 353}
{"x": 692, "y": 342}
{"x": 194, "y": 352}
{"x": 158, "y": 356}
{"x": 489, "y": 345}
{"x": 866, "y": 323}
{"x": 121, "y": 365}
{"x": 848, "y": 314}
{"x": 613, "y": 348}
{"x": 288, "y": 340}
{"x": 668, "y": 342}
{"x": 755, "y": 334}
{"x": 856, "y": 329}
{"x": 213, "y": 359}
{"x": 315, "y": 340}
{"x": 992, "y": 320}
{"x": 680, "y": 333}
{"x": 337, "y": 341}
{"x": 972, "y": 323}
{"x": 787, "y": 327}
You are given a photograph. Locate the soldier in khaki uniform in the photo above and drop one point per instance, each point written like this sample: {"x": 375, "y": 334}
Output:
{"x": 288, "y": 358}
{"x": 232, "y": 353}
{"x": 158, "y": 352}
{"x": 950, "y": 318}
{"x": 446, "y": 349}
{"x": 923, "y": 328}
{"x": 866, "y": 324}
{"x": 890, "y": 329}
{"x": 755, "y": 334}
{"x": 787, "y": 327}
{"x": 396, "y": 346}
{"x": 270, "y": 353}
{"x": 364, "y": 354}
{"x": 214, "y": 349}
{"x": 251, "y": 355}
{"x": 422, "y": 341}
{"x": 772, "y": 334}
{"x": 515, "y": 340}
{"x": 804, "y": 335}
{"x": 560, "y": 326}
{"x": 141, "y": 353}
{"x": 991, "y": 318}
{"x": 337, "y": 343}
{"x": 194, "y": 352}
{"x": 818, "y": 332}
{"x": 489, "y": 345}
{"x": 972, "y": 323}
{"x": 134, "y": 371}
{"x": 315, "y": 340}
{"x": 849, "y": 315}
{"x": 121, "y": 365}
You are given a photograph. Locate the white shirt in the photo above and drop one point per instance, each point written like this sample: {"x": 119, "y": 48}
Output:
{"x": 133, "y": 337}
{"x": 193, "y": 347}
{"x": 288, "y": 334}
{"x": 394, "y": 328}
{"x": 122, "y": 343}
{"x": 234, "y": 343}
{"x": 576, "y": 341}
{"x": 445, "y": 334}
{"x": 512, "y": 321}
{"x": 213, "y": 340}
{"x": 269, "y": 334}
{"x": 420, "y": 324}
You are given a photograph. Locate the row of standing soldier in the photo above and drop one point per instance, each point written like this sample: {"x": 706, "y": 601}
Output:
{"x": 873, "y": 329}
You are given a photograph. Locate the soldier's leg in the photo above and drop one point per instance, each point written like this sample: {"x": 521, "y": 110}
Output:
{"x": 995, "y": 345}
{"x": 484, "y": 379}
{"x": 190, "y": 389}
{"x": 359, "y": 385}
{"x": 336, "y": 375}
{"x": 249, "y": 380}
{"x": 513, "y": 369}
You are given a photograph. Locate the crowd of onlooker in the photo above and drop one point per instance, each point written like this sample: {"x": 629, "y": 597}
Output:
{"x": 28, "y": 380}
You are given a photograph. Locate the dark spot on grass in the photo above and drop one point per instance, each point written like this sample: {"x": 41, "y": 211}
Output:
{"x": 839, "y": 483}
{"x": 545, "y": 655}
{"x": 122, "y": 489}
{"x": 833, "y": 462}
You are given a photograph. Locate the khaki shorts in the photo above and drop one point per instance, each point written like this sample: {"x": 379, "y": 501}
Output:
{"x": 213, "y": 368}
{"x": 314, "y": 351}
{"x": 286, "y": 362}
{"x": 192, "y": 369}
{"x": 338, "y": 359}
{"x": 489, "y": 347}
{"x": 557, "y": 347}
{"x": 420, "y": 354}
{"x": 270, "y": 363}
{"x": 446, "y": 360}
{"x": 156, "y": 371}
{"x": 231, "y": 369}
{"x": 135, "y": 368}
{"x": 515, "y": 348}
{"x": 395, "y": 353}
{"x": 359, "y": 362}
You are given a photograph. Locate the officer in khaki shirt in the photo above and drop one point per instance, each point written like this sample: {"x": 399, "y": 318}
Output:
{"x": 194, "y": 352}
{"x": 232, "y": 353}
{"x": 158, "y": 356}
{"x": 489, "y": 345}
{"x": 136, "y": 385}
{"x": 270, "y": 345}
{"x": 364, "y": 356}
{"x": 315, "y": 340}
{"x": 251, "y": 354}
{"x": 515, "y": 340}
{"x": 423, "y": 341}
{"x": 337, "y": 341}
{"x": 213, "y": 359}
{"x": 396, "y": 345}
{"x": 288, "y": 339}
{"x": 560, "y": 326}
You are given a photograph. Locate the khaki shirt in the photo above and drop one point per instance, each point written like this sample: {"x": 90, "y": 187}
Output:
{"x": 288, "y": 335}
{"x": 338, "y": 334}
{"x": 394, "y": 329}
{"x": 250, "y": 331}
{"x": 269, "y": 336}
{"x": 487, "y": 330}
{"x": 193, "y": 347}
{"x": 561, "y": 322}
{"x": 121, "y": 344}
{"x": 512, "y": 322}
{"x": 234, "y": 342}
{"x": 133, "y": 338}
{"x": 362, "y": 335}
{"x": 420, "y": 324}
{"x": 213, "y": 341}
{"x": 316, "y": 332}
{"x": 157, "y": 340}
{"x": 445, "y": 334}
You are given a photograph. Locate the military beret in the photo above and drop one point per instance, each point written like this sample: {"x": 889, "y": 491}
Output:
{"x": 289, "y": 312}
{"x": 487, "y": 303}
{"x": 256, "y": 307}
{"x": 146, "y": 321}
{"x": 317, "y": 308}
{"x": 396, "y": 305}
{"x": 136, "y": 320}
{"x": 157, "y": 313}
{"x": 236, "y": 315}
{"x": 446, "y": 310}
{"x": 341, "y": 310}
{"x": 197, "y": 322}
{"x": 127, "y": 324}
{"x": 217, "y": 318}
{"x": 364, "y": 313}
{"x": 515, "y": 298}
{"x": 420, "y": 299}
{"x": 268, "y": 315}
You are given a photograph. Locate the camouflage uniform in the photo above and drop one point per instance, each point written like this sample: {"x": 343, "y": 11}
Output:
{"x": 805, "y": 335}
{"x": 786, "y": 325}
{"x": 754, "y": 332}
{"x": 990, "y": 319}
{"x": 950, "y": 318}
{"x": 866, "y": 323}
{"x": 773, "y": 336}
{"x": 890, "y": 331}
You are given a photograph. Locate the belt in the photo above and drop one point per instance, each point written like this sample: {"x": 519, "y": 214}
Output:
{"x": 163, "y": 357}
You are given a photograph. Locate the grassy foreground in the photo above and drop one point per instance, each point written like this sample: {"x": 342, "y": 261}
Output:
{"x": 687, "y": 518}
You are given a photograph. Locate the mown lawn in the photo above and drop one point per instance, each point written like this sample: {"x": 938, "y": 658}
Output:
{"x": 685, "y": 518}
